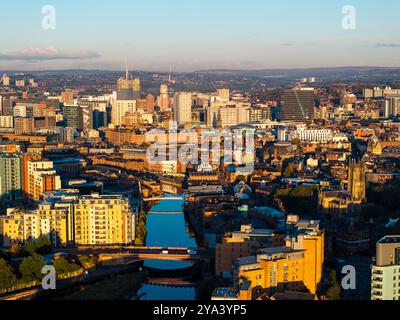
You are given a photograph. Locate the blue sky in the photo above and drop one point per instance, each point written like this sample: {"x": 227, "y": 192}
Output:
{"x": 194, "y": 34}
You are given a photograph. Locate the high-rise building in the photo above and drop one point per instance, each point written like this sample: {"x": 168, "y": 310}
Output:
{"x": 392, "y": 105}
{"x": 183, "y": 107}
{"x": 25, "y": 158}
{"x": 297, "y": 266}
{"x": 128, "y": 88}
{"x": 119, "y": 109}
{"x": 163, "y": 99}
{"x": 385, "y": 273}
{"x": 24, "y": 125}
{"x": 10, "y": 178}
{"x": 99, "y": 119}
{"x": 297, "y": 105}
{"x": 73, "y": 116}
{"x": 229, "y": 115}
{"x": 42, "y": 177}
{"x": 103, "y": 220}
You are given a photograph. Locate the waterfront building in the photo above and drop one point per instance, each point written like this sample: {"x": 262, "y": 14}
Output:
{"x": 297, "y": 266}
{"x": 103, "y": 220}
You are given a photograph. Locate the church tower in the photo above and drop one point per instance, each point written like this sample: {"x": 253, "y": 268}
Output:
{"x": 356, "y": 180}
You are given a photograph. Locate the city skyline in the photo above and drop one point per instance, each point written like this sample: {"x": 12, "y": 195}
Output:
{"x": 157, "y": 36}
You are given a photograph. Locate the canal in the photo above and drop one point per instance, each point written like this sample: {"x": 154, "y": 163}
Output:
{"x": 167, "y": 230}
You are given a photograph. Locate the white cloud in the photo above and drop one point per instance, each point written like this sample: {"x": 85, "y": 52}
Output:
{"x": 49, "y": 53}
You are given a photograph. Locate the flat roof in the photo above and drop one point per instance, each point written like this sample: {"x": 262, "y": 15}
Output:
{"x": 390, "y": 239}
{"x": 225, "y": 293}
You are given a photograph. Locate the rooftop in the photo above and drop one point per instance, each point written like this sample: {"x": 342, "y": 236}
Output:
{"x": 225, "y": 293}
{"x": 390, "y": 239}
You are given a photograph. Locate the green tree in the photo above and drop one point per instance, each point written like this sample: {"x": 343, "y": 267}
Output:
{"x": 333, "y": 293}
{"x": 31, "y": 268}
{"x": 63, "y": 266}
{"x": 30, "y": 247}
{"x": 7, "y": 277}
{"x": 44, "y": 245}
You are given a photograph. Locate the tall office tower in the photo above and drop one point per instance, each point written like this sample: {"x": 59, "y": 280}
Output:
{"x": 183, "y": 107}
{"x": 223, "y": 94}
{"x": 356, "y": 180}
{"x": 10, "y": 178}
{"x": 99, "y": 119}
{"x": 104, "y": 220}
{"x": 25, "y": 158}
{"x": 73, "y": 116}
{"x": 85, "y": 118}
{"x": 1, "y": 105}
{"x": 41, "y": 178}
{"x": 163, "y": 99}
{"x": 128, "y": 88}
{"x": 298, "y": 105}
{"x": 119, "y": 109}
{"x": 385, "y": 273}
{"x": 24, "y": 125}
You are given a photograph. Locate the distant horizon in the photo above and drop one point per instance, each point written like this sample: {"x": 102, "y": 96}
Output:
{"x": 186, "y": 36}
{"x": 204, "y": 70}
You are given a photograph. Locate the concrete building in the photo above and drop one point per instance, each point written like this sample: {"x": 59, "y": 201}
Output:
{"x": 42, "y": 177}
{"x": 10, "y": 178}
{"x": 163, "y": 99}
{"x": 6, "y": 121}
{"x": 385, "y": 274}
{"x": 119, "y": 109}
{"x": 224, "y": 116}
{"x": 298, "y": 105}
{"x": 183, "y": 107}
{"x": 103, "y": 220}
{"x": 297, "y": 266}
